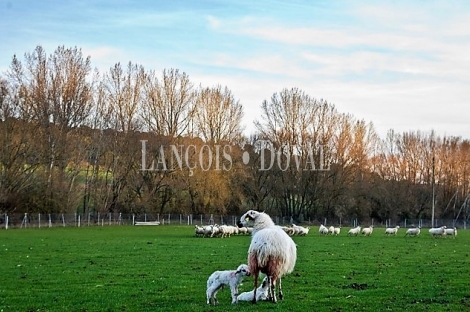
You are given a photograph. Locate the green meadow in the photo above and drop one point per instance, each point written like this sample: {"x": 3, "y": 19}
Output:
{"x": 165, "y": 268}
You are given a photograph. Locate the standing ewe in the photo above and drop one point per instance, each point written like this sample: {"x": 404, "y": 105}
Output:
{"x": 413, "y": 231}
{"x": 354, "y": 231}
{"x": 337, "y": 231}
{"x": 271, "y": 251}
{"x": 452, "y": 232}
{"x": 218, "y": 279}
{"x": 261, "y": 292}
{"x": 367, "y": 231}
{"x": 392, "y": 231}
{"x": 323, "y": 230}
{"x": 440, "y": 231}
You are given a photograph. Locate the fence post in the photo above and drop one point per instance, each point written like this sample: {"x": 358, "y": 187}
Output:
{"x": 6, "y": 221}
{"x": 50, "y": 221}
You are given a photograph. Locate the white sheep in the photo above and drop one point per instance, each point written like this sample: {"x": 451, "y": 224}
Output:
{"x": 440, "y": 231}
{"x": 451, "y": 232}
{"x": 198, "y": 230}
{"x": 354, "y": 231}
{"x": 271, "y": 251}
{"x": 367, "y": 231}
{"x": 243, "y": 230}
{"x": 392, "y": 231}
{"x": 323, "y": 230}
{"x": 261, "y": 292}
{"x": 413, "y": 231}
{"x": 208, "y": 230}
{"x": 331, "y": 230}
{"x": 303, "y": 231}
{"x": 232, "y": 278}
{"x": 337, "y": 230}
{"x": 225, "y": 230}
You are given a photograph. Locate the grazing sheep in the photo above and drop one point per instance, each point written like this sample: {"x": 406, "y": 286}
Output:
{"x": 271, "y": 251}
{"x": 354, "y": 231}
{"x": 261, "y": 292}
{"x": 208, "y": 230}
{"x": 331, "y": 230}
{"x": 367, "y": 231}
{"x": 198, "y": 231}
{"x": 323, "y": 230}
{"x": 303, "y": 231}
{"x": 337, "y": 231}
{"x": 440, "y": 231}
{"x": 392, "y": 231}
{"x": 413, "y": 231}
{"x": 218, "y": 279}
{"x": 452, "y": 232}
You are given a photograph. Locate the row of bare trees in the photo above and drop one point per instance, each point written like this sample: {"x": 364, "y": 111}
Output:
{"x": 74, "y": 140}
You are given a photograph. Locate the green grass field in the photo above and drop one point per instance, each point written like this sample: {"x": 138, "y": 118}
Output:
{"x": 165, "y": 268}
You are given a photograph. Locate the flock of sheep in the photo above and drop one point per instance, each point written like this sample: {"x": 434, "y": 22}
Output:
{"x": 216, "y": 230}
{"x": 228, "y": 230}
{"x": 273, "y": 253}
{"x": 442, "y": 231}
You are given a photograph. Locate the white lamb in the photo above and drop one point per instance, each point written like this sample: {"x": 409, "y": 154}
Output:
{"x": 451, "y": 232}
{"x": 323, "y": 230}
{"x": 367, "y": 231}
{"x": 392, "y": 231}
{"x": 218, "y": 279}
{"x": 354, "y": 231}
{"x": 440, "y": 231}
{"x": 271, "y": 251}
{"x": 261, "y": 292}
{"x": 413, "y": 231}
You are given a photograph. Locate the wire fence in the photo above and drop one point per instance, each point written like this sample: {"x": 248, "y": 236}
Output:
{"x": 25, "y": 220}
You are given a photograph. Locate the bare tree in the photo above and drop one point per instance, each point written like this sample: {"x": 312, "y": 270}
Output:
{"x": 168, "y": 105}
{"x": 218, "y": 115}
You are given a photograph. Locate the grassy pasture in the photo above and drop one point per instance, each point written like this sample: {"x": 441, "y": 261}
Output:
{"x": 165, "y": 268}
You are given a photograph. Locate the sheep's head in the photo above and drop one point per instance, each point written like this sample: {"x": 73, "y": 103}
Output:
{"x": 243, "y": 270}
{"x": 248, "y": 218}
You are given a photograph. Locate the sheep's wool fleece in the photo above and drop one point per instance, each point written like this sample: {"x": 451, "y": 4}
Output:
{"x": 272, "y": 241}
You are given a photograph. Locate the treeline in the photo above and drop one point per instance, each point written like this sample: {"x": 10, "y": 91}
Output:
{"x": 134, "y": 140}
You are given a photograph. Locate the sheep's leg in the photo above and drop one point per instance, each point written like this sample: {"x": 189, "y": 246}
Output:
{"x": 272, "y": 289}
{"x": 254, "y": 269}
{"x": 281, "y": 295}
{"x": 256, "y": 274}
{"x": 234, "y": 295}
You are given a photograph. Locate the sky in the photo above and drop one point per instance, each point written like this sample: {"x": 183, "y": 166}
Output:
{"x": 401, "y": 65}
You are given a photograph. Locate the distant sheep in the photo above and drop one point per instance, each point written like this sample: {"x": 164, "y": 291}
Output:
{"x": 413, "y": 231}
{"x": 300, "y": 230}
{"x": 233, "y": 279}
{"x": 367, "y": 231}
{"x": 337, "y": 230}
{"x": 323, "y": 230}
{"x": 354, "y": 231}
{"x": 198, "y": 230}
{"x": 392, "y": 231}
{"x": 451, "y": 232}
{"x": 271, "y": 251}
{"x": 440, "y": 231}
{"x": 331, "y": 230}
{"x": 261, "y": 292}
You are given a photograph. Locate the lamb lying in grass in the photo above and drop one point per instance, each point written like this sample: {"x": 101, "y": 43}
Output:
{"x": 233, "y": 279}
{"x": 261, "y": 292}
